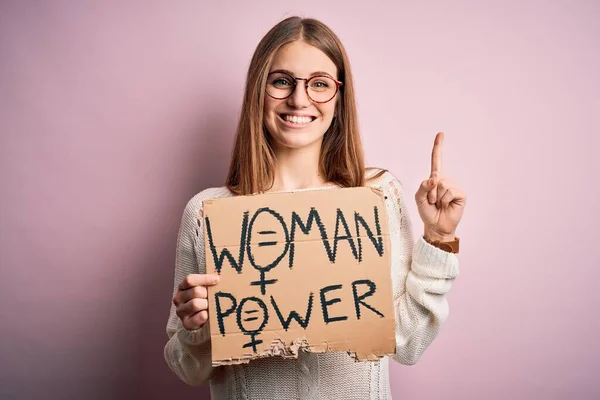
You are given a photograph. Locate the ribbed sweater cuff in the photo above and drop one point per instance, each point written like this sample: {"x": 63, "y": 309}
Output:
{"x": 432, "y": 262}
{"x": 195, "y": 337}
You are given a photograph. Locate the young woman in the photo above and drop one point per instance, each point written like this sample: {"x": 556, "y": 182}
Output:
{"x": 298, "y": 130}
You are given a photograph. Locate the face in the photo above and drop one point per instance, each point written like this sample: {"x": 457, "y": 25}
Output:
{"x": 297, "y": 121}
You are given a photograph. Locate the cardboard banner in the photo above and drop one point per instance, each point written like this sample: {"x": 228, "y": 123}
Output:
{"x": 309, "y": 269}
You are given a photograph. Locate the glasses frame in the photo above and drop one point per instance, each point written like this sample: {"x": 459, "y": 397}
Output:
{"x": 295, "y": 81}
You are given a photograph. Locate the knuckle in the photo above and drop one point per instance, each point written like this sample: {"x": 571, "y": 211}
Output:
{"x": 183, "y": 284}
{"x": 205, "y": 315}
{"x": 188, "y": 325}
{"x": 202, "y": 317}
{"x": 199, "y": 292}
{"x": 198, "y": 304}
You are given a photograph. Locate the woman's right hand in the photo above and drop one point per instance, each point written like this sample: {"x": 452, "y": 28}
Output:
{"x": 191, "y": 300}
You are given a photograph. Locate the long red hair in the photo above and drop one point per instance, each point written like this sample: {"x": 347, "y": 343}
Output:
{"x": 253, "y": 161}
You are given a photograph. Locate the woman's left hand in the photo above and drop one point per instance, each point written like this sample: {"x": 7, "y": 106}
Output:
{"x": 439, "y": 201}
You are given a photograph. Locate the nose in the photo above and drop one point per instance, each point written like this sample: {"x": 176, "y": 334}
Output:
{"x": 299, "y": 98}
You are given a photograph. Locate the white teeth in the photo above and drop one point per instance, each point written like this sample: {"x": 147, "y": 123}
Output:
{"x": 297, "y": 120}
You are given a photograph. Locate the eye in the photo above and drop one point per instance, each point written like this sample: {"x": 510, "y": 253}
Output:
{"x": 320, "y": 84}
{"x": 281, "y": 82}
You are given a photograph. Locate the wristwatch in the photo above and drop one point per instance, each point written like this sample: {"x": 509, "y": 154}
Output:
{"x": 450, "y": 247}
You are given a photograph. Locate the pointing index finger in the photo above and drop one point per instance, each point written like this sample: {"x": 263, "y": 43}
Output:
{"x": 436, "y": 154}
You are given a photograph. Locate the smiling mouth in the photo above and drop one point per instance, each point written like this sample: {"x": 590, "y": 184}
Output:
{"x": 297, "y": 120}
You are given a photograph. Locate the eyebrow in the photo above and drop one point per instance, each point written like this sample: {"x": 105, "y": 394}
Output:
{"x": 293, "y": 75}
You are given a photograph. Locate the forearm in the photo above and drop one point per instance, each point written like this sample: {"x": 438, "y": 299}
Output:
{"x": 188, "y": 355}
{"x": 422, "y": 307}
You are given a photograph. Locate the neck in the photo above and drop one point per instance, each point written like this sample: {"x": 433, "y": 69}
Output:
{"x": 297, "y": 169}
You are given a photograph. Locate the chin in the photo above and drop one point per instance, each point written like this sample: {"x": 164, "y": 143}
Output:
{"x": 296, "y": 141}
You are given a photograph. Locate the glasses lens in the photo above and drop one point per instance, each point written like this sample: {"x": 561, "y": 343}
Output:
{"x": 280, "y": 85}
{"x": 321, "y": 88}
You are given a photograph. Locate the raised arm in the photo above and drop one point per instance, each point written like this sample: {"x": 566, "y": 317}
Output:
{"x": 422, "y": 273}
{"x": 421, "y": 276}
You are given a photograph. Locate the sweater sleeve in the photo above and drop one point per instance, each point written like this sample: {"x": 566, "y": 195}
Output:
{"x": 188, "y": 353}
{"x": 422, "y": 274}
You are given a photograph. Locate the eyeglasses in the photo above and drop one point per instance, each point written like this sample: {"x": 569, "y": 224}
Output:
{"x": 319, "y": 88}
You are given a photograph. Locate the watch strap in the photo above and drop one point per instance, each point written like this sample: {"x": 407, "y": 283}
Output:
{"x": 450, "y": 247}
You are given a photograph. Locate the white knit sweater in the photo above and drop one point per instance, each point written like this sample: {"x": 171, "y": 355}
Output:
{"x": 421, "y": 276}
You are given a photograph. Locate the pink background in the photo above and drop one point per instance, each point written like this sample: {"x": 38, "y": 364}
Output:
{"x": 112, "y": 116}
